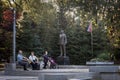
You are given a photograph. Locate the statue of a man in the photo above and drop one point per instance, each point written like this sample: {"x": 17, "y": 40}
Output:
{"x": 63, "y": 42}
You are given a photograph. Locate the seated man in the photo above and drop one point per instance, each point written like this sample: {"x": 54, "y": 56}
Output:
{"x": 34, "y": 61}
{"x": 23, "y": 61}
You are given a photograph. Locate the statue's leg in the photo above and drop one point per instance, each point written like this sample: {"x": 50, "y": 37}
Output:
{"x": 61, "y": 51}
{"x": 64, "y": 48}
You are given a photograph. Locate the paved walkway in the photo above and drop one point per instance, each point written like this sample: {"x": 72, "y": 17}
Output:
{"x": 18, "y": 78}
{"x": 5, "y": 77}
{"x": 1, "y": 73}
{"x": 29, "y": 75}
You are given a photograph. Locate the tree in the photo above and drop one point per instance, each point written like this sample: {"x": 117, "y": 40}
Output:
{"x": 6, "y": 26}
{"x": 113, "y": 28}
{"x": 40, "y": 27}
{"x": 75, "y": 14}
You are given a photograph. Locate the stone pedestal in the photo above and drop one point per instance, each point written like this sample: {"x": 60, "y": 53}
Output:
{"x": 63, "y": 60}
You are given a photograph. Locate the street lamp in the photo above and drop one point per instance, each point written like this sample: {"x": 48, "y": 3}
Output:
{"x": 14, "y": 31}
{"x": 12, "y": 66}
{"x": 14, "y": 35}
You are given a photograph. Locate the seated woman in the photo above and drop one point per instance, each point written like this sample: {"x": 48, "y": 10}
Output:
{"x": 34, "y": 61}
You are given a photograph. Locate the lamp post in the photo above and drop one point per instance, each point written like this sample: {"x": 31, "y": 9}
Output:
{"x": 12, "y": 66}
{"x": 14, "y": 31}
{"x": 14, "y": 34}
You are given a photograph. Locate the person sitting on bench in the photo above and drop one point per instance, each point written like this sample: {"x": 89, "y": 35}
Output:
{"x": 34, "y": 61}
{"x": 23, "y": 61}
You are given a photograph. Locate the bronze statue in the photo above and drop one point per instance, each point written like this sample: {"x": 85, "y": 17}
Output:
{"x": 63, "y": 42}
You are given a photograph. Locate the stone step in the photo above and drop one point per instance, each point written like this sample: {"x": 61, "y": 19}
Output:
{"x": 1, "y": 73}
{"x": 17, "y": 78}
{"x": 66, "y": 76}
{"x": 53, "y": 74}
{"x": 36, "y": 72}
{"x": 2, "y": 67}
{"x": 72, "y": 67}
{"x": 79, "y": 79}
{"x": 86, "y": 78}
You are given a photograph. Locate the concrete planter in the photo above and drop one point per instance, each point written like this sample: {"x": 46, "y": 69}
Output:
{"x": 96, "y": 63}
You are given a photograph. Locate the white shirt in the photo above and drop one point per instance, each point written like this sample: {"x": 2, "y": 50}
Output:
{"x": 32, "y": 58}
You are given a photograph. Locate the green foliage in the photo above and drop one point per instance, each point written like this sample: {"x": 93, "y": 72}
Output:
{"x": 5, "y": 45}
{"x": 97, "y": 60}
{"x": 41, "y": 35}
{"x": 27, "y": 39}
{"x": 77, "y": 47}
{"x": 104, "y": 56}
{"x": 38, "y": 30}
{"x": 1, "y": 10}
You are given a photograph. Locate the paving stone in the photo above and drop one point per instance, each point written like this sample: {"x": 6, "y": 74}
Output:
{"x": 17, "y": 78}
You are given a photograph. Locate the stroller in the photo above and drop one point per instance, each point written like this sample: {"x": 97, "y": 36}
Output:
{"x": 52, "y": 63}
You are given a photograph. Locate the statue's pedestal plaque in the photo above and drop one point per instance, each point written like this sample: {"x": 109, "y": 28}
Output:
{"x": 63, "y": 60}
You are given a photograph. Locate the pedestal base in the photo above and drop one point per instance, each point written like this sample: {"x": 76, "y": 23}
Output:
{"x": 63, "y": 60}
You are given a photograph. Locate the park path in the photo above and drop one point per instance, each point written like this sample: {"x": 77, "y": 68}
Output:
{"x": 5, "y": 77}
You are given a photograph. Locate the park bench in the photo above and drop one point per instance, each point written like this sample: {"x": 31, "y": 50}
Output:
{"x": 18, "y": 66}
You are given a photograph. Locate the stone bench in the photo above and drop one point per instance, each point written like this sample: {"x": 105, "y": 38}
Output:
{"x": 18, "y": 66}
